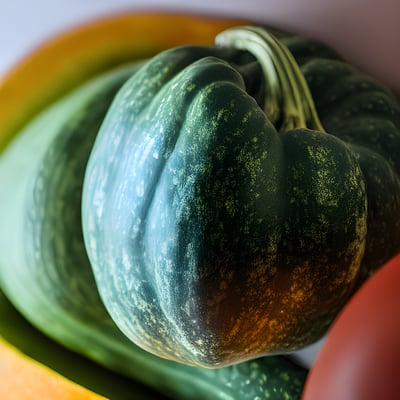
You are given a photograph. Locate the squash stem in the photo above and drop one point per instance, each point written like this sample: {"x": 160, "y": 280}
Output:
{"x": 288, "y": 98}
{"x": 242, "y": 39}
{"x": 310, "y": 111}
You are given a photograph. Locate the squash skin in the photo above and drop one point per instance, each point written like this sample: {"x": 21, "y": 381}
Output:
{"x": 25, "y": 92}
{"x": 366, "y": 115}
{"x": 229, "y": 239}
{"x": 42, "y": 203}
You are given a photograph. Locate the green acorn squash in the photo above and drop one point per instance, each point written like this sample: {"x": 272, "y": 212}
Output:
{"x": 233, "y": 201}
{"x": 45, "y": 272}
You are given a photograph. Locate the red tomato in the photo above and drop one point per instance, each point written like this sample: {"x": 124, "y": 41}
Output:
{"x": 360, "y": 359}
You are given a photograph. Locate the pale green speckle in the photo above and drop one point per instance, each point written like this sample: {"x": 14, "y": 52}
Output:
{"x": 285, "y": 376}
{"x": 230, "y": 206}
{"x": 223, "y": 113}
{"x": 324, "y": 178}
{"x": 248, "y": 117}
{"x": 190, "y": 87}
{"x": 324, "y": 195}
{"x": 251, "y": 163}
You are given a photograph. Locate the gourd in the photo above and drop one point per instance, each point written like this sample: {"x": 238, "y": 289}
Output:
{"x": 49, "y": 279}
{"x": 233, "y": 202}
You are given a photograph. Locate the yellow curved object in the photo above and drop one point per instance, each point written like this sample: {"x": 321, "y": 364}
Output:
{"x": 23, "y": 378}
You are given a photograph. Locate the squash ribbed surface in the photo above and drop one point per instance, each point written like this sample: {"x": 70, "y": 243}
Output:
{"x": 232, "y": 236}
{"x": 51, "y": 283}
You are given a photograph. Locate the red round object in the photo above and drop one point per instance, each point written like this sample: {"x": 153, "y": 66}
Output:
{"x": 360, "y": 359}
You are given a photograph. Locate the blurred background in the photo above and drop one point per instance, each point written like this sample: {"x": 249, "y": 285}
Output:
{"x": 24, "y": 25}
{"x": 366, "y": 32}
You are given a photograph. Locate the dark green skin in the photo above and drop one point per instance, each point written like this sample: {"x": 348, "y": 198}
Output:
{"x": 366, "y": 115}
{"x": 45, "y": 272}
{"x": 214, "y": 238}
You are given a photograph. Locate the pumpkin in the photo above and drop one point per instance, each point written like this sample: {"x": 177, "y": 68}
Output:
{"x": 237, "y": 195}
{"x": 49, "y": 279}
